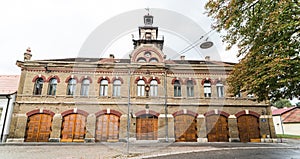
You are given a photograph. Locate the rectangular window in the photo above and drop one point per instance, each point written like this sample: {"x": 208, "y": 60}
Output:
{"x": 207, "y": 90}
{"x": 117, "y": 90}
{"x": 103, "y": 90}
{"x": 220, "y": 91}
{"x": 153, "y": 90}
{"x": 140, "y": 90}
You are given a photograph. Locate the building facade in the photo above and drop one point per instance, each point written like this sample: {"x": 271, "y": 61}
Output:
{"x": 145, "y": 97}
{"x": 8, "y": 91}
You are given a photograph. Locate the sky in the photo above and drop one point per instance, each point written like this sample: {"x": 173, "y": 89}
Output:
{"x": 56, "y": 29}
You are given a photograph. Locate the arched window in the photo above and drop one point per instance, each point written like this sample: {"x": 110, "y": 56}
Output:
{"x": 220, "y": 89}
{"x": 190, "y": 88}
{"x": 207, "y": 88}
{"x": 85, "y": 87}
{"x": 38, "y": 86}
{"x": 153, "y": 60}
{"x": 153, "y": 88}
{"x": 52, "y": 86}
{"x": 177, "y": 88}
{"x": 117, "y": 88}
{"x": 141, "y": 59}
{"x": 103, "y": 87}
{"x": 141, "y": 88}
{"x": 71, "y": 86}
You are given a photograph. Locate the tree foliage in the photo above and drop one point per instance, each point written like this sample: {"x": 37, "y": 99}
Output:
{"x": 267, "y": 33}
{"x": 282, "y": 103}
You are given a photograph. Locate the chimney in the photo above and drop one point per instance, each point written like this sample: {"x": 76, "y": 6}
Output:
{"x": 111, "y": 56}
{"x": 207, "y": 58}
{"x": 27, "y": 54}
{"x": 182, "y": 57}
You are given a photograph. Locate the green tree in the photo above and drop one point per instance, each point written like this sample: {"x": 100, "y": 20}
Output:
{"x": 267, "y": 33}
{"x": 281, "y": 103}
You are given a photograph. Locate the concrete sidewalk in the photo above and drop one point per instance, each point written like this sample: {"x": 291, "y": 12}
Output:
{"x": 141, "y": 149}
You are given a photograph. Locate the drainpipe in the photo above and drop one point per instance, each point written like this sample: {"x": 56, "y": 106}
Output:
{"x": 128, "y": 110}
{"x": 2, "y": 138}
{"x": 166, "y": 106}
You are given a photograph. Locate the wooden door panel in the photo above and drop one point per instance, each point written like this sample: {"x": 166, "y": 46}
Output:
{"x": 73, "y": 128}
{"x": 38, "y": 128}
{"x": 146, "y": 127}
{"x": 185, "y": 128}
{"x": 107, "y": 128}
{"x": 217, "y": 128}
{"x": 248, "y": 127}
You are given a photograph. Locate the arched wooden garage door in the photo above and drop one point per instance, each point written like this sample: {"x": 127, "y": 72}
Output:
{"x": 73, "y": 128}
{"x": 146, "y": 127}
{"x": 107, "y": 128}
{"x": 185, "y": 128}
{"x": 217, "y": 128}
{"x": 248, "y": 127}
{"x": 38, "y": 128}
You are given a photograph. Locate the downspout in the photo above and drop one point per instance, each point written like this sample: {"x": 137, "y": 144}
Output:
{"x": 5, "y": 117}
{"x": 166, "y": 107}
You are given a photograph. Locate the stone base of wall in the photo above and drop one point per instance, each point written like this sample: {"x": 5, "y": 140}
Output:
{"x": 125, "y": 140}
{"x": 202, "y": 140}
{"x": 54, "y": 140}
{"x": 164, "y": 140}
{"x": 234, "y": 140}
{"x": 268, "y": 140}
{"x": 15, "y": 140}
{"x": 89, "y": 140}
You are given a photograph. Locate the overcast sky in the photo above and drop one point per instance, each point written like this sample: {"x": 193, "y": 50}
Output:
{"x": 58, "y": 28}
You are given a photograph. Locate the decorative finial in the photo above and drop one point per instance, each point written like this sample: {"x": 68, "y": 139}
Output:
{"x": 28, "y": 50}
{"x": 27, "y": 54}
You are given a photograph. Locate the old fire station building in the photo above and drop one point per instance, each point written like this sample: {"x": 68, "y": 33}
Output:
{"x": 145, "y": 97}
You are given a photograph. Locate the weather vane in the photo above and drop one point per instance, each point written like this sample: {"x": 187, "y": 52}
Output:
{"x": 147, "y": 9}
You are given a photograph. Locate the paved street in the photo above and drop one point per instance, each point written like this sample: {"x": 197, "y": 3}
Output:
{"x": 144, "y": 149}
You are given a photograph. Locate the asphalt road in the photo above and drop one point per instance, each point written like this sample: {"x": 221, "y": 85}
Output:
{"x": 253, "y": 153}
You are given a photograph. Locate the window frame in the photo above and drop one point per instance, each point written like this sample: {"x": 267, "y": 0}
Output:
{"x": 153, "y": 88}
{"x": 71, "y": 87}
{"x": 103, "y": 88}
{"x": 177, "y": 88}
{"x": 141, "y": 88}
{"x": 52, "y": 87}
{"x": 117, "y": 88}
{"x": 190, "y": 88}
{"x": 38, "y": 86}
{"x": 207, "y": 89}
{"x": 84, "y": 91}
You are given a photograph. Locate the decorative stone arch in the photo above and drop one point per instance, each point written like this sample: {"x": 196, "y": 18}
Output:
{"x": 84, "y": 77}
{"x": 220, "y": 80}
{"x": 142, "y": 50}
{"x": 70, "y": 77}
{"x": 39, "y": 76}
{"x": 108, "y": 111}
{"x": 147, "y": 112}
{"x": 190, "y": 79}
{"x": 118, "y": 78}
{"x": 216, "y": 112}
{"x": 40, "y": 111}
{"x": 247, "y": 112}
{"x": 154, "y": 78}
{"x": 207, "y": 79}
{"x": 53, "y": 76}
{"x": 140, "y": 78}
{"x": 74, "y": 111}
{"x": 103, "y": 78}
{"x": 185, "y": 112}
{"x": 177, "y": 78}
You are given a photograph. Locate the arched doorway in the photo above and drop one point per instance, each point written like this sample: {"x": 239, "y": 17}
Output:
{"x": 185, "y": 128}
{"x": 107, "y": 127}
{"x": 248, "y": 126}
{"x": 73, "y": 127}
{"x": 217, "y": 128}
{"x": 38, "y": 127}
{"x": 146, "y": 127}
